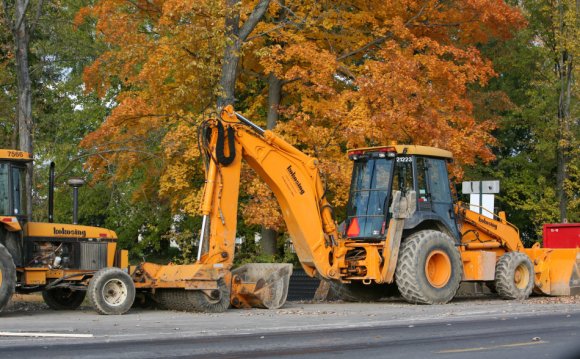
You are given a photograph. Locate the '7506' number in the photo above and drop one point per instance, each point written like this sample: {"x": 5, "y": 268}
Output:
{"x": 15, "y": 154}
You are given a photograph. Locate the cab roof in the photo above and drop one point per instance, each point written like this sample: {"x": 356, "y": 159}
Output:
{"x": 408, "y": 150}
{"x": 15, "y": 155}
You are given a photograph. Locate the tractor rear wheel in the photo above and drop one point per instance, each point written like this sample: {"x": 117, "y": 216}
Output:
{"x": 429, "y": 268}
{"x": 63, "y": 298}
{"x": 7, "y": 276}
{"x": 514, "y": 276}
{"x": 217, "y": 301}
{"x": 111, "y": 291}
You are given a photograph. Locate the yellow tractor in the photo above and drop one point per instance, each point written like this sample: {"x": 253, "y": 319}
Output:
{"x": 63, "y": 261}
{"x": 402, "y": 229}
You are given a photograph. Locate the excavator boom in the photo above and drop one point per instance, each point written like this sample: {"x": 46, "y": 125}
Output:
{"x": 295, "y": 180}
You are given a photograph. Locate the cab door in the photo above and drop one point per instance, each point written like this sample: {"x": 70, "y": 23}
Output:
{"x": 13, "y": 204}
{"x": 433, "y": 191}
{"x": 18, "y": 187}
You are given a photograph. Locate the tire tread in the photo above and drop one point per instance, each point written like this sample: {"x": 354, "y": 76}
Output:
{"x": 407, "y": 271}
{"x": 504, "y": 272}
{"x": 56, "y": 304}
{"x": 9, "y": 280}
{"x": 94, "y": 292}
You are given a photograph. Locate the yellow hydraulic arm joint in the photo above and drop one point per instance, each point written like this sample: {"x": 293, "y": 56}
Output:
{"x": 481, "y": 232}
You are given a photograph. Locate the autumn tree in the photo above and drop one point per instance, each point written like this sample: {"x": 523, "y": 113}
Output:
{"x": 366, "y": 73}
{"x": 7, "y": 89}
{"x": 532, "y": 135}
{"x": 334, "y": 74}
{"x": 21, "y": 18}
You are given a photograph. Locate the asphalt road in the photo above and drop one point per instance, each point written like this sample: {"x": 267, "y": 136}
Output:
{"x": 469, "y": 329}
{"x": 484, "y": 338}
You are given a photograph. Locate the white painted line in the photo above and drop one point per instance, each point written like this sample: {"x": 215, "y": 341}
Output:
{"x": 44, "y": 335}
{"x": 513, "y": 345}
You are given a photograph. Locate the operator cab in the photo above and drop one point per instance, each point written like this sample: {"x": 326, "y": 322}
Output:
{"x": 12, "y": 183}
{"x": 419, "y": 172}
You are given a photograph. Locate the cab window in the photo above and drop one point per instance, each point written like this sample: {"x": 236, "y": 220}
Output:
{"x": 4, "y": 189}
{"x": 19, "y": 190}
{"x": 438, "y": 180}
{"x": 423, "y": 192}
{"x": 369, "y": 193}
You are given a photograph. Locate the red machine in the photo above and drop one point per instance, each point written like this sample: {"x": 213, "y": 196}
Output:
{"x": 562, "y": 235}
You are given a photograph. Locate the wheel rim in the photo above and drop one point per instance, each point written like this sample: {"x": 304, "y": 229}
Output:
{"x": 114, "y": 292}
{"x": 438, "y": 268}
{"x": 0, "y": 277}
{"x": 521, "y": 276}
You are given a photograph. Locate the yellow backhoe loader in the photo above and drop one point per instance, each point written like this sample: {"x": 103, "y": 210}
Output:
{"x": 63, "y": 261}
{"x": 402, "y": 228}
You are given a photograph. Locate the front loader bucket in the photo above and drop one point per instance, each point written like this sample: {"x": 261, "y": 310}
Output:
{"x": 260, "y": 285}
{"x": 557, "y": 270}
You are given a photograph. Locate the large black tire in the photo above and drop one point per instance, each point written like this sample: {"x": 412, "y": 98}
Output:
{"x": 63, "y": 298}
{"x": 144, "y": 300}
{"x": 429, "y": 268}
{"x": 491, "y": 287}
{"x": 359, "y": 292}
{"x": 514, "y": 276}
{"x": 111, "y": 291}
{"x": 195, "y": 300}
{"x": 7, "y": 277}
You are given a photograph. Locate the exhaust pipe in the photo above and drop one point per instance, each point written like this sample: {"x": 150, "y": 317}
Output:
{"x": 75, "y": 183}
{"x": 51, "y": 193}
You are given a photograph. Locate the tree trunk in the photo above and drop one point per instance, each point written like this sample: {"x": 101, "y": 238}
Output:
{"x": 564, "y": 146}
{"x": 235, "y": 38}
{"x": 231, "y": 56}
{"x": 270, "y": 236}
{"x": 274, "y": 97}
{"x": 564, "y": 140}
{"x": 24, "y": 109}
{"x": 269, "y": 241}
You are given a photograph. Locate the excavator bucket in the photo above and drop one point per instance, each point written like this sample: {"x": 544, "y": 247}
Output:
{"x": 557, "y": 270}
{"x": 260, "y": 285}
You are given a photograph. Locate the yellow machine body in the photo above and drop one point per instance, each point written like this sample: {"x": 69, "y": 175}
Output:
{"x": 54, "y": 258}
{"x": 556, "y": 270}
{"x": 322, "y": 249}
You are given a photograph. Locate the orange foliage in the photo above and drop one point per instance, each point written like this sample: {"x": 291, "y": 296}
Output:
{"x": 355, "y": 73}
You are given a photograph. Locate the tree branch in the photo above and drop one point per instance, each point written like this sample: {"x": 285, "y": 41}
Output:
{"x": 34, "y": 22}
{"x": 142, "y": 8}
{"x": 19, "y": 22}
{"x": 282, "y": 25}
{"x": 100, "y": 154}
{"x": 286, "y": 82}
{"x": 380, "y": 40}
{"x": 253, "y": 19}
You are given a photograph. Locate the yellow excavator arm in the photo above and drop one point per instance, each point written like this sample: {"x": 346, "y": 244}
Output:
{"x": 292, "y": 176}
{"x": 210, "y": 284}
